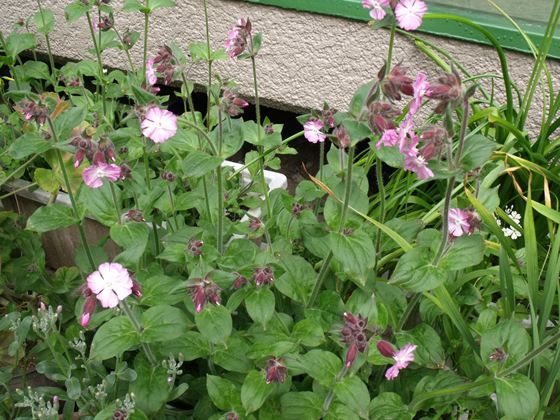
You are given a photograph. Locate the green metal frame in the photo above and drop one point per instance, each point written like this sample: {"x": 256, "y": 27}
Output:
{"x": 500, "y": 27}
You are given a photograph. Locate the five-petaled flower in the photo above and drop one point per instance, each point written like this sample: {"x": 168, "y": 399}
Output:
{"x": 159, "y": 124}
{"x": 402, "y": 357}
{"x": 409, "y": 14}
{"x": 376, "y": 7}
{"x": 93, "y": 175}
{"x": 111, "y": 283}
{"x": 312, "y": 131}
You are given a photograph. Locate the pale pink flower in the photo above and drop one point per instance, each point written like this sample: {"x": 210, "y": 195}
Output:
{"x": 312, "y": 131}
{"x": 409, "y": 14}
{"x": 403, "y": 358}
{"x": 151, "y": 77}
{"x": 406, "y": 133}
{"x": 236, "y": 41}
{"x": 376, "y": 7}
{"x": 94, "y": 174}
{"x": 458, "y": 220}
{"x": 159, "y": 125}
{"x": 111, "y": 283}
{"x": 421, "y": 89}
{"x": 389, "y": 138}
{"x": 416, "y": 163}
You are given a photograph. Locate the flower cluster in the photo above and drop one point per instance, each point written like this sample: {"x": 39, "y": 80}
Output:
{"x": 353, "y": 334}
{"x": 232, "y": 104}
{"x": 34, "y": 111}
{"x": 162, "y": 63}
{"x": 402, "y": 357}
{"x": 409, "y": 13}
{"x": 275, "y": 371}
{"x": 204, "y": 291}
{"x": 237, "y": 38}
{"x": 263, "y": 275}
{"x": 511, "y": 231}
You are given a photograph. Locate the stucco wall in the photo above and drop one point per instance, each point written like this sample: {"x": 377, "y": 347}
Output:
{"x": 306, "y": 58}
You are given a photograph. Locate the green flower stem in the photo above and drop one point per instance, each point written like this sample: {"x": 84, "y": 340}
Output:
{"x": 147, "y": 166}
{"x": 172, "y": 202}
{"x": 330, "y": 396}
{"x": 99, "y": 62}
{"x": 451, "y": 183}
{"x": 193, "y": 114}
{"x": 327, "y": 261}
{"x": 259, "y": 137}
{"x": 203, "y": 133}
{"x": 220, "y": 185}
{"x": 127, "y": 52}
{"x": 145, "y": 52}
{"x": 136, "y": 324}
{"x": 77, "y": 215}
{"x": 115, "y": 202}
{"x": 48, "y": 42}
{"x": 209, "y": 52}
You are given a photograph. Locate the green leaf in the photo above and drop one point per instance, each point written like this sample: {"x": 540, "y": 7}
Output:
{"x": 508, "y": 336}
{"x": 51, "y": 217}
{"x": 198, "y": 164}
{"x": 308, "y": 332}
{"x": 354, "y": 393}
{"x": 389, "y": 406}
{"x": 254, "y": 391}
{"x": 68, "y": 120}
{"x": 158, "y": 4}
{"x": 416, "y": 272}
{"x": 518, "y": 397}
{"x": 133, "y": 238}
{"x": 76, "y": 10}
{"x": 298, "y": 279}
{"x": 232, "y": 137}
{"x": 19, "y": 42}
{"x": 214, "y": 323}
{"x": 114, "y": 338}
{"x": 257, "y": 43}
{"x": 322, "y": 366}
{"x": 301, "y": 405}
{"x": 44, "y": 21}
{"x": 191, "y": 343}
{"x": 198, "y": 51}
{"x": 28, "y": 144}
{"x": 223, "y": 393}
{"x": 356, "y": 130}
{"x": 359, "y": 100}
{"x": 355, "y": 253}
{"x": 99, "y": 203}
{"x": 260, "y": 305}
{"x": 132, "y": 6}
{"x": 150, "y": 388}
{"x": 477, "y": 152}
{"x": 36, "y": 70}
{"x": 465, "y": 252}
{"x": 162, "y": 323}
{"x": 46, "y": 180}
{"x": 73, "y": 388}
{"x": 232, "y": 355}
{"x": 162, "y": 289}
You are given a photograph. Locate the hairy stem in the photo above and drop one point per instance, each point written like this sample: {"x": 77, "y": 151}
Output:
{"x": 138, "y": 327}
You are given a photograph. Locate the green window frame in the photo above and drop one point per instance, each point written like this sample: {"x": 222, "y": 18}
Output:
{"x": 506, "y": 34}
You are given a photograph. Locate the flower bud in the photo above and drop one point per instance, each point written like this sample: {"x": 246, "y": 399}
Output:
{"x": 351, "y": 355}
{"x": 89, "y": 309}
{"x": 263, "y": 275}
{"x": 385, "y": 348}
{"x": 275, "y": 371}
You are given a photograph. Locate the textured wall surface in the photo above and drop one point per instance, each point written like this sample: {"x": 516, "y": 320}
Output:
{"x": 306, "y": 58}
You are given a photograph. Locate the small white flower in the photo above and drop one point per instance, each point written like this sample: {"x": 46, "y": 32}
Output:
{"x": 510, "y": 231}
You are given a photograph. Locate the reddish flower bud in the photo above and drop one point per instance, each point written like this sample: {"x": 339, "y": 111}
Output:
{"x": 239, "y": 281}
{"x": 136, "y": 290}
{"x": 351, "y": 355}
{"x": 89, "y": 309}
{"x": 342, "y": 139}
{"x": 135, "y": 215}
{"x": 232, "y": 415}
{"x": 275, "y": 371}
{"x": 381, "y": 116}
{"x": 263, "y": 275}
{"x": 385, "y": 348}
{"x": 297, "y": 208}
{"x": 397, "y": 82}
{"x": 204, "y": 291}
{"x": 79, "y": 158}
{"x": 255, "y": 223}
{"x": 194, "y": 246}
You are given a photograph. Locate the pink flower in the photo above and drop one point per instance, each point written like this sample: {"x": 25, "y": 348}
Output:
{"x": 111, "y": 283}
{"x": 402, "y": 358}
{"x": 159, "y": 125}
{"x": 377, "y": 12}
{"x": 151, "y": 77}
{"x": 312, "y": 131}
{"x": 409, "y": 14}
{"x": 389, "y": 138}
{"x": 462, "y": 222}
{"x": 93, "y": 175}
{"x": 416, "y": 163}
{"x": 421, "y": 88}
{"x": 458, "y": 222}
{"x": 236, "y": 41}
